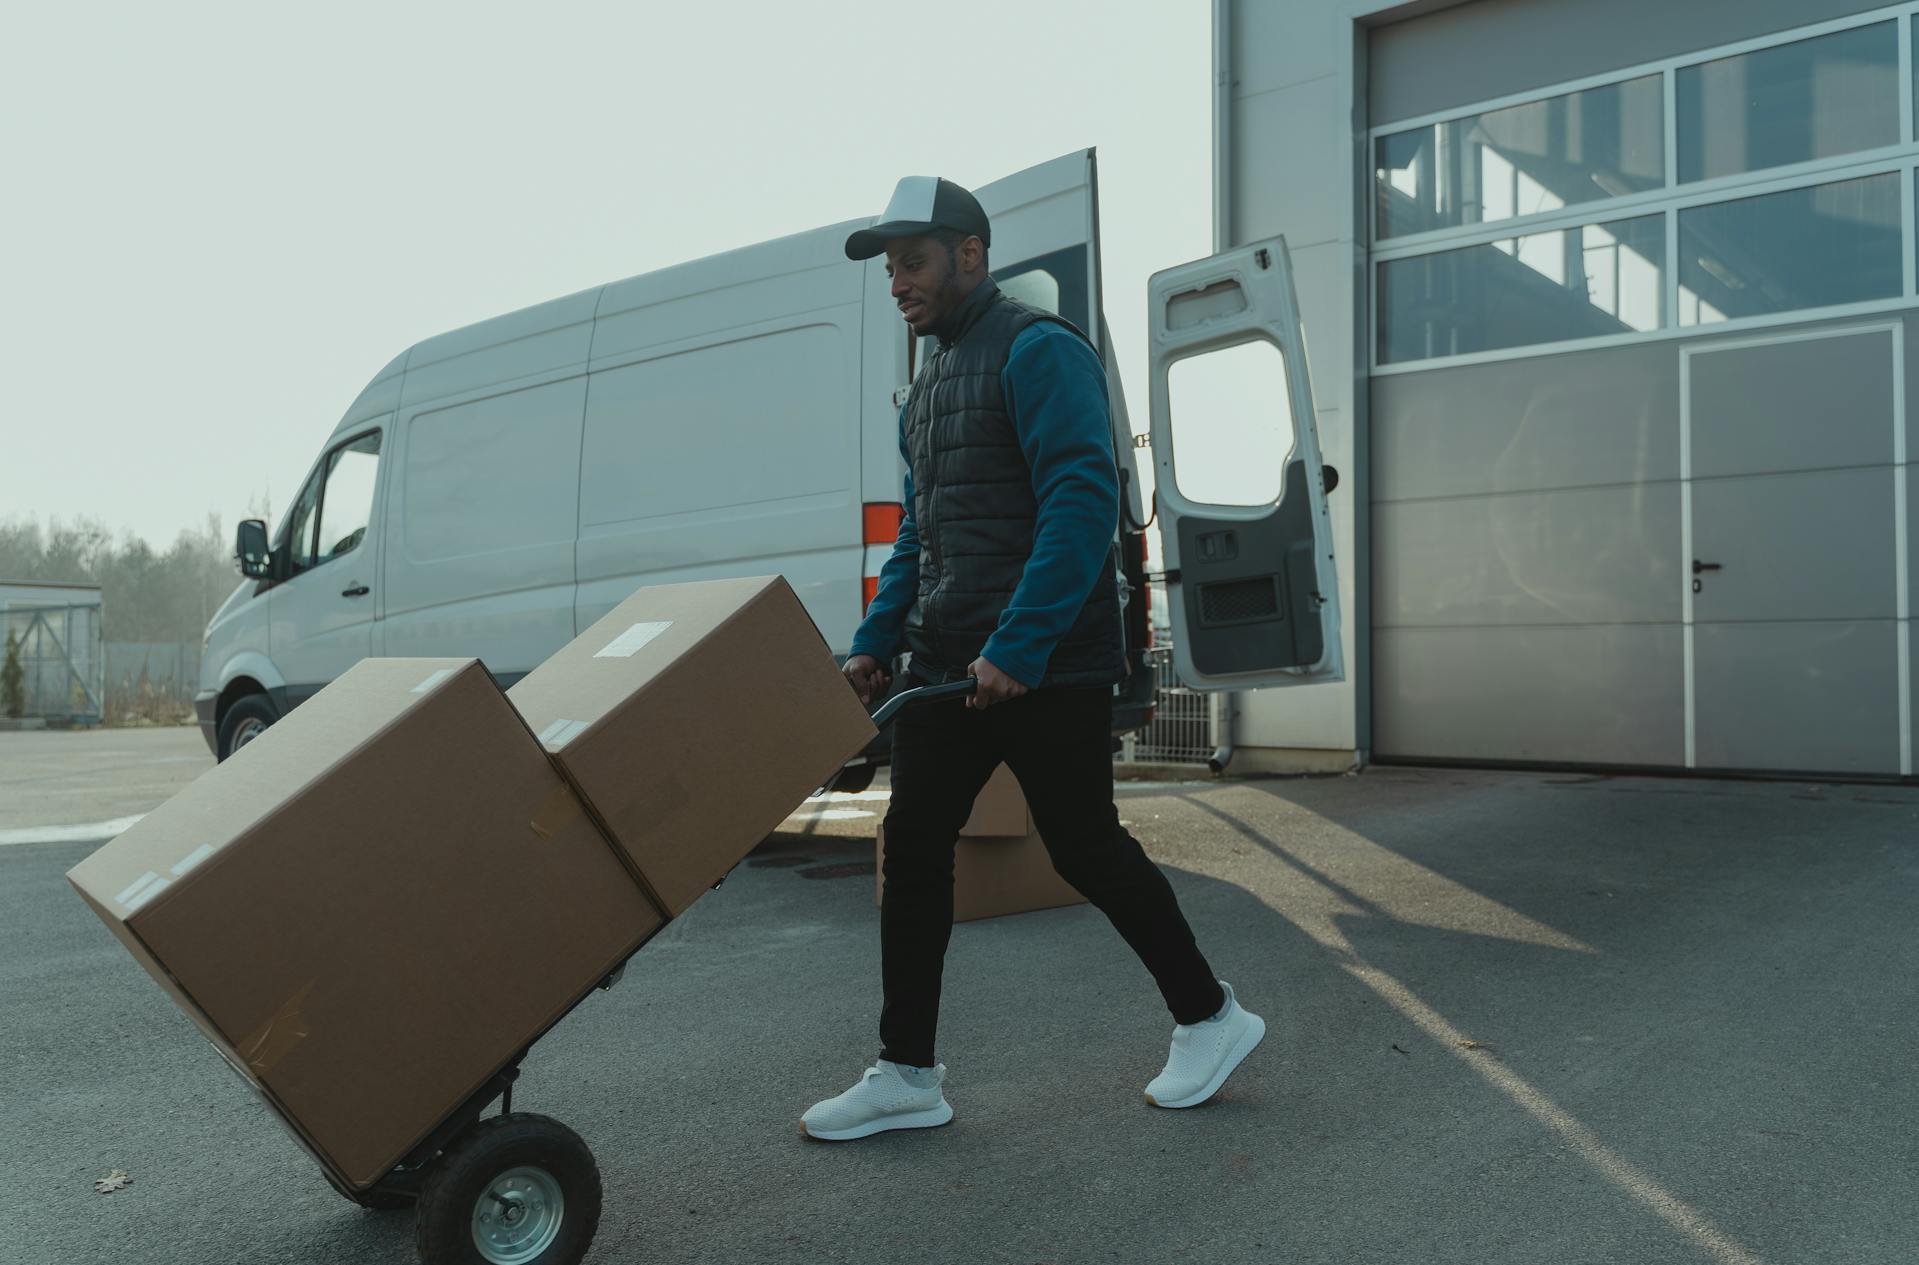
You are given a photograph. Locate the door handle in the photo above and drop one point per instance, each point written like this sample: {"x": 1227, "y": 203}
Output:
{"x": 361, "y": 590}
{"x": 1698, "y": 566}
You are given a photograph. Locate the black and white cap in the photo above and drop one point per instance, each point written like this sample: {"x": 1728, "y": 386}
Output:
{"x": 921, "y": 204}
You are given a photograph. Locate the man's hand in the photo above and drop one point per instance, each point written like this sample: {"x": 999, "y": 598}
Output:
{"x": 868, "y": 678}
{"x": 994, "y": 685}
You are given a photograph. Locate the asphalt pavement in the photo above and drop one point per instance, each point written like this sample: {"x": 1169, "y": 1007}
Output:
{"x": 1512, "y": 1018}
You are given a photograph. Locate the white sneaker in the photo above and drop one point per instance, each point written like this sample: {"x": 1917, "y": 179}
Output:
{"x": 1205, "y": 1054}
{"x": 883, "y": 1099}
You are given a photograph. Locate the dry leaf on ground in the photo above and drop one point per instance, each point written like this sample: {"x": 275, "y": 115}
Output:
{"x": 116, "y": 1180}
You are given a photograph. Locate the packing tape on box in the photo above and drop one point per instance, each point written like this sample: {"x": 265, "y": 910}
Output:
{"x": 125, "y": 898}
{"x": 146, "y": 893}
{"x": 432, "y": 679}
{"x": 555, "y": 811}
{"x": 191, "y": 859}
{"x": 632, "y": 641}
{"x": 559, "y": 733}
{"x": 276, "y": 1038}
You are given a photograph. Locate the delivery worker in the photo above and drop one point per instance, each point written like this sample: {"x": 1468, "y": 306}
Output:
{"x": 1004, "y": 570}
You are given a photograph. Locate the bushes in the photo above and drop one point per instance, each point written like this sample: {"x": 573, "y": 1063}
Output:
{"x": 149, "y": 595}
{"x": 12, "y": 680}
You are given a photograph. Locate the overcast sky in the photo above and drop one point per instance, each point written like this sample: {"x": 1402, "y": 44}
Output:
{"x": 221, "y": 221}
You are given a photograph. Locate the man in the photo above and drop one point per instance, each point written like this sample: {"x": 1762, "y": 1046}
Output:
{"x": 1004, "y": 571}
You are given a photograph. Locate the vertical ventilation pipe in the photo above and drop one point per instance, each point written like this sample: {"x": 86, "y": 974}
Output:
{"x": 1225, "y": 705}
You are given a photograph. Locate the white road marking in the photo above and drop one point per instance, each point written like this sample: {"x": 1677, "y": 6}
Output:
{"x": 830, "y": 814}
{"x": 84, "y": 833}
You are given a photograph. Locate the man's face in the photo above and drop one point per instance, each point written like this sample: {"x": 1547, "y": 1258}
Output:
{"x": 925, "y": 282}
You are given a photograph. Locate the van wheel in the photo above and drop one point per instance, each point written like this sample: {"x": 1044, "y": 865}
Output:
{"x": 246, "y": 720}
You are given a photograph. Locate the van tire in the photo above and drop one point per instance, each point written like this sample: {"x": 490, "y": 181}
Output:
{"x": 246, "y": 720}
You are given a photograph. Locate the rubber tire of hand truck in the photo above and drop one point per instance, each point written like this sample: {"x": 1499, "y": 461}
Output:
{"x": 443, "y": 1233}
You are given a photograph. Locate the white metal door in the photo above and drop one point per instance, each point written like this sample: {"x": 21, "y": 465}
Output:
{"x": 1242, "y": 497}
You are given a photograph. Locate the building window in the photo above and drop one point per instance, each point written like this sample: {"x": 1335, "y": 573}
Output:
{"x": 1523, "y": 159}
{"x": 1780, "y": 252}
{"x": 1584, "y": 213}
{"x": 1817, "y": 98}
{"x": 1582, "y": 282}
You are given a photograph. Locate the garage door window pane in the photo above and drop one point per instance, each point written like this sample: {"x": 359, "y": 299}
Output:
{"x": 1232, "y": 424}
{"x": 1779, "y": 252}
{"x": 1836, "y": 94}
{"x": 1583, "y": 282}
{"x": 1522, "y": 160}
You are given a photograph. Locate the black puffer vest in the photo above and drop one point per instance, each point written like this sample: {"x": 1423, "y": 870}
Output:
{"x": 975, "y": 508}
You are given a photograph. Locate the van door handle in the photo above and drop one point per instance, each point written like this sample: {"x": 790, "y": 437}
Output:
{"x": 358, "y": 590}
{"x": 1698, "y": 566}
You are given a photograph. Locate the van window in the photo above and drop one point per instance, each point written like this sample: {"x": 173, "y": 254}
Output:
{"x": 1053, "y": 283}
{"x": 299, "y": 529}
{"x": 346, "y": 502}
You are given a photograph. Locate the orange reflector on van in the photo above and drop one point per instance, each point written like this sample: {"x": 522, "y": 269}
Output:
{"x": 872, "y": 591}
{"x": 883, "y": 523}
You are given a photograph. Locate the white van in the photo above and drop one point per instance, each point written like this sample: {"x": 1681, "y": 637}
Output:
{"x": 496, "y": 489}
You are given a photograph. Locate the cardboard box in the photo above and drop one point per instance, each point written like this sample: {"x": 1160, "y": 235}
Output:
{"x": 999, "y": 811}
{"x": 694, "y": 718}
{"x": 375, "y": 905}
{"x": 994, "y": 876}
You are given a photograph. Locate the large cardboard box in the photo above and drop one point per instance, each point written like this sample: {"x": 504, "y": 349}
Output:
{"x": 995, "y": 874}
{"x": 375, "y": 905}
{"x": 694, "y": 718}
{"x": 999, "y": 810}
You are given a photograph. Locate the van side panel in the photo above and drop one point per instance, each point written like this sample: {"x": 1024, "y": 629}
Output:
{"x": 722, "y": 430}
{"x": 479, "y": 552}
{"x": 738, "y": 457}
{"x": 528, "y": 345}
{"x": 885, "y": 337}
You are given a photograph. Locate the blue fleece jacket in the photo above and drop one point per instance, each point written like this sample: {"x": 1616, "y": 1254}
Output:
{"x": 1056, "y": 394}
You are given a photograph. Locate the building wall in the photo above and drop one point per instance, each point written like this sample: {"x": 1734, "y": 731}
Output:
{"x": 1529, "y": 565}
{"x": 1294, "y": 163}
{"x": 1510, "y": 532}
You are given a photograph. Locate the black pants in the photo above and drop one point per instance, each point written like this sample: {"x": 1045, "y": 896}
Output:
{"x": 1058, "y": 744}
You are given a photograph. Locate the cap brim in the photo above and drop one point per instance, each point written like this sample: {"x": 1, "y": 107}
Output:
{"x": 869, "y": 242}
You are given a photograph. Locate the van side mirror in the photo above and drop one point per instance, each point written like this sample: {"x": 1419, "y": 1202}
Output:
{"x": 250, "y": 549}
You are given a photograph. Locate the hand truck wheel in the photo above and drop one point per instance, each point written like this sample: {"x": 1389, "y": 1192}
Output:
{"x": 518, "y": 1189}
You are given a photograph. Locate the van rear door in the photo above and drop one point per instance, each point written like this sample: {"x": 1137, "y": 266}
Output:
{"x": 1045, "y": 253}
{"x": 1240, "y": 486}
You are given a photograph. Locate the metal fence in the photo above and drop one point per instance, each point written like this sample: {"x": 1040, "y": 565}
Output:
{"x": 1185, "y": 727}
{"x": 61, "y": 665}
{"x": 150, "y": 680}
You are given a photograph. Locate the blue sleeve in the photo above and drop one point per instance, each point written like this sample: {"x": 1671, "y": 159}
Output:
{"x": 1056, "y": 393}
{"x": 883, "y": 631}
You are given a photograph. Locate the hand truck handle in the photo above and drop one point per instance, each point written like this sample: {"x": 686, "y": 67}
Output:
{"x": 924, "y": 694}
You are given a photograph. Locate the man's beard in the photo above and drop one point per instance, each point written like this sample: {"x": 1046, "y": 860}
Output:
{"x": 948, "y": 299}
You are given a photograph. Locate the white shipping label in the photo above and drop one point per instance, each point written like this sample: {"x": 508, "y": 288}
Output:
{"x": 432, "y": 679}
{"x": 561, "y": 732}
{"x": 148, "y": 893}
{"x": 630, "y": 642}
{"x": 191, "y": 859}
{"x": 134, "y": 888}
